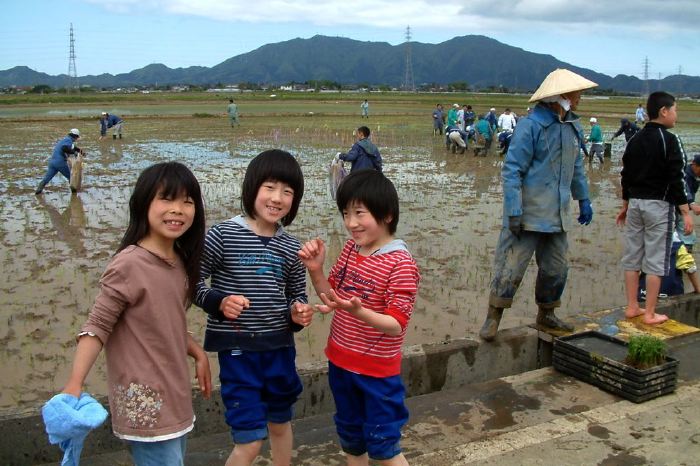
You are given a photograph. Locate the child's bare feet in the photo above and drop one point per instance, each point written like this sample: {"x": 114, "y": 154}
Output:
{"x": 655, "y": 319}
{"x": 631, "y": 313}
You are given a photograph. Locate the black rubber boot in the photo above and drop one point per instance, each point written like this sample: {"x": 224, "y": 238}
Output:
{"x": 39, "y": 188}
{"x": 547, "y": 318}
{"x": 493, "y": 319}
{"x": 114, "y": 136}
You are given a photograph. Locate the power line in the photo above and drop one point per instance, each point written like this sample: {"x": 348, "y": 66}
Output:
{"x": 72, "y": 70}
{"x": 408, "y": 84}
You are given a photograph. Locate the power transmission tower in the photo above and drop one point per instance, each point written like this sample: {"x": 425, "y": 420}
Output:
{"x": 72, "y": 71}
{"x": 646, "y": 76}
{"x": 408, "y": 84}
{"x": 680, "y": 70}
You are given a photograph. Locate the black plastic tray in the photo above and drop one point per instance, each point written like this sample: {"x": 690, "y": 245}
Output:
{"x": 598, "y": 359}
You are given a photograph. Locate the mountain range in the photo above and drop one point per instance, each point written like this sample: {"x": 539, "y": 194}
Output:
{"x": 480, "y": 61}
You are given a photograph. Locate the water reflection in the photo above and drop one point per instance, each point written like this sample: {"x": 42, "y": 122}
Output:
{"x": 69, "y": 223}
{"x": 110, "y": 151}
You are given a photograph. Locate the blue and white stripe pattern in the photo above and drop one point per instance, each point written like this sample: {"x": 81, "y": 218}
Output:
{"x": 271, "y": 276}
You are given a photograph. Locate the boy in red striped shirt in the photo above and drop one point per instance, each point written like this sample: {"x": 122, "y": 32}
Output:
{"x": 371, "y": 289}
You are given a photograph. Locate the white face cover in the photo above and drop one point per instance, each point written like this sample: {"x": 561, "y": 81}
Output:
{"x": 563, "y": 102}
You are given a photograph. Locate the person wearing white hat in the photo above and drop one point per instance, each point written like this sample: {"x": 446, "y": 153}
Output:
{"x": 492, "y": 119}
{"x": 596, "y": 139}
{"x": 108, "y": 121}
{"x": 58, "y": 163}
{"x": 452, "y": 115}
{"x": 542, "y": 170}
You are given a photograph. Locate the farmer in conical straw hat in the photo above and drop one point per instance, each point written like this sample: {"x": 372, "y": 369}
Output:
{"x": 542, "y": 170}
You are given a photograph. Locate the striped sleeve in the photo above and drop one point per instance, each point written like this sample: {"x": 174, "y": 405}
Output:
{"x": 402, "y": 288}
{"x": 212, "y": 258}
{"x": 678, "y": 194}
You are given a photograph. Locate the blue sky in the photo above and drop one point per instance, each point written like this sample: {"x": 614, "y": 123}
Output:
{"x": 611, "y": 37}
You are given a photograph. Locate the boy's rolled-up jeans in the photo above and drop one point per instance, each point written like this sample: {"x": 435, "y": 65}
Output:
{"x": 513, "y": 254}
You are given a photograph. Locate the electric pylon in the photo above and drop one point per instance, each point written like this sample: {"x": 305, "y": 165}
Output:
{"x": 408, "y": 84}
{"x": 72, "y": 71}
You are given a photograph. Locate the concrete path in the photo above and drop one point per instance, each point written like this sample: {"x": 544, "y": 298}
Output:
{"x": 538, "y": 417}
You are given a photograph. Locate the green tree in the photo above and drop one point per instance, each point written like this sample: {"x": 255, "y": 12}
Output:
{"x": 458, "y": 86}
{"x": 41, "y": 89}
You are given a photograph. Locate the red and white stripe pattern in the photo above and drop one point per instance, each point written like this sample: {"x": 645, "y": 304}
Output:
{"x": 386, "y": 283}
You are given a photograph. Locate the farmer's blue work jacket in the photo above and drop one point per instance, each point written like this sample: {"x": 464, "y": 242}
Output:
{"x": 106, "y": 123}
{"x": 62, "y": 149}
{"x": 363, "y": 154}
{"x": 543, "y": 170}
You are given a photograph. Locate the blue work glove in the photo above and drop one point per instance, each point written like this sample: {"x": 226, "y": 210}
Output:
{"x": 585, "y": 212}
{"x": 514, "y": 225}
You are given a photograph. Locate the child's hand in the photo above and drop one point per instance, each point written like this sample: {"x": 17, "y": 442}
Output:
{"x": 233, "y": 305}
{"x": 312, "y": 254}
{"x": 687, "y": 223}
{"x": 302, "y": 314}
{"x": 203, "y": 374}
{"x": 332, "y": 301}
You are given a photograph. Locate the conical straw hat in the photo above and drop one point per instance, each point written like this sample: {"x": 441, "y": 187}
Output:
{"x": 561, "y": 81}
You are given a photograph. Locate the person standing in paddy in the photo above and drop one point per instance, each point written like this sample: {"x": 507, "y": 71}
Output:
{"x": 363, "y": 154}
{"x": 365, "y": 109}
{"x": 58, "y": 163}
{"x": 542, "y": 171}
{"x": 596, "y": 139}
{"x": 114, "y": 122}
{"x": 232, "y": 111}
{"x": 371, "y": 291}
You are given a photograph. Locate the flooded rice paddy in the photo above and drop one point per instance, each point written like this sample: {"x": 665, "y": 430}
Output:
{"x": 55, "y": 246}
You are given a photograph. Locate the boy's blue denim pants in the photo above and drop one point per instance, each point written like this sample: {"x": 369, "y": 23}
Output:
{"x": 513, "y": 254}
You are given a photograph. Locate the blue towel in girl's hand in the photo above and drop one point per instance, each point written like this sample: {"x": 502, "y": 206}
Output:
{"x": 68, "y": 420}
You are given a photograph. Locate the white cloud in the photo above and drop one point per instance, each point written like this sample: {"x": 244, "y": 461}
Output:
{"x": 473, "y": 16}
{"x": 640, "y": 14}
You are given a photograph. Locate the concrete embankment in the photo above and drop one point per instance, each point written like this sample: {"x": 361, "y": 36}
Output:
{"x": 445, "y": 370}
{"x": 426, "y": 369}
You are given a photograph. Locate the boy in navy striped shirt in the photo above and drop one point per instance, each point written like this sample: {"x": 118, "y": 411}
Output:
{"x": 371, "y": 289}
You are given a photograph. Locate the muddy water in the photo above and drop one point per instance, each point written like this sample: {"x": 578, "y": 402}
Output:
{"x": 55, "y": 246}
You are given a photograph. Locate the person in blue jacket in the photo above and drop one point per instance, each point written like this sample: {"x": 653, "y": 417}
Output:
{"x": 58, "y": 163}
{"x": 542, "y": 170}
{"x": 111, "y": 121}
{"x": 363, "y": 154}
{"x": 492, "y": 119}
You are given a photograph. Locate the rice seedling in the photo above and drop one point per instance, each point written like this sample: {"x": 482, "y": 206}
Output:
{"x": 644, "y": 351}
